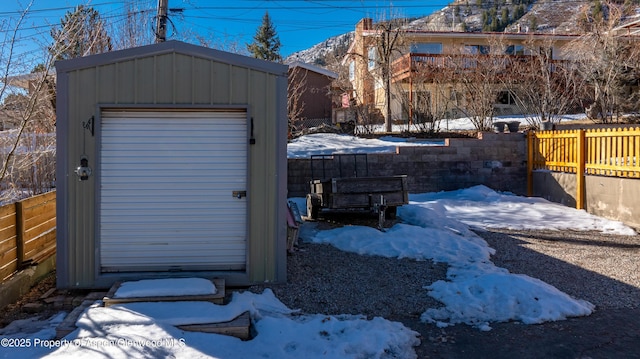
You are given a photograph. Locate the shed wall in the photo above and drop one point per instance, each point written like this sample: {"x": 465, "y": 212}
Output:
{"x": 170, "y": 80}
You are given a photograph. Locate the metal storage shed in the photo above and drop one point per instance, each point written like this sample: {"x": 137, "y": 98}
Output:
{"x": 171, "y": 162}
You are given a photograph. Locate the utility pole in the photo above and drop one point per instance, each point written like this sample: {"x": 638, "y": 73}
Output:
{"x": 161, "y": 29}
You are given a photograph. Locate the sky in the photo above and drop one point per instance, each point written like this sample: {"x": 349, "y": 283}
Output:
{"x": 433, "y": 226}
{"x": 225, "y": 24}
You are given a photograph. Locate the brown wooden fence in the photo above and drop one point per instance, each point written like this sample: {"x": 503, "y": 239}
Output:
{"x": 27, "y": 233}
{"x": 613, "y": 152}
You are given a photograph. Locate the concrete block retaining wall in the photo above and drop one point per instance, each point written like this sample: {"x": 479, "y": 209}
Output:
{"x": 496, "y": 160}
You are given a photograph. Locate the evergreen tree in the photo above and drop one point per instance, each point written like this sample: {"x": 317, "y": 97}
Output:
{"x": 597, "y": 10}
{"x": 266, "y": 43}
{"x": 39, "y": 68}
{"x": 518, "y": 12}
{"x": 504, "y": 18}
{"x": 533, "y": 23}
{"x": 81, "y": 33}
{"x": 495, "y": 25}
{"x": 485, "y": 21}
{"x": 467, "y": 10}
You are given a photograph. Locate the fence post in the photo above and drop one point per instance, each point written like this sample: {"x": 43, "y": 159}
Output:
{"x": 19, "y": 234}
{"x": 580, "y": 178}
{"x": 530, "y": 148}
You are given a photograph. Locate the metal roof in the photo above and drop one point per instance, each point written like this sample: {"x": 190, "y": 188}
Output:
{"x": 313, "y": 68}
{"x": 168, "y": 47}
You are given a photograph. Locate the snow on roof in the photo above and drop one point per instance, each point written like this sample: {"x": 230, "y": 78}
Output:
{"x": 313, "y": 68}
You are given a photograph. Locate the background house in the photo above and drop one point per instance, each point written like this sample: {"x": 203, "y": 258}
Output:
{"x": 313, "y": 85}
{"x": 38, "y": 86}
{"x": 27, "y": 138}
{"x": 309, "y": 95}
{"x": 423, "y": 67}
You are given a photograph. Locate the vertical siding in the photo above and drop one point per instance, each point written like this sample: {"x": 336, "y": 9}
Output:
{"x": 202, "y": 84}
{"x": 63, "y": 237}
{"x": 146, "y": 86}
{"x": 271, "y": 137}
{"x": 317, "y": 102}
{"x": 259, "y": 162}
{"x": 183, "y": 79}
{"x": 264, "y": 166}
{"x": 106, "y": 84}
{"x": 81, "y": 194}
{"x": 221, "y": 84}
{"x": 164, "y": 79}
{"x": 238, "y": 85}
{"x": 167, "y": 79}
{"x": 126, "y": 77}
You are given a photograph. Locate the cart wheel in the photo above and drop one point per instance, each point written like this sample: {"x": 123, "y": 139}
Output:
{"x": 313, "y": 207}
{"x": 391, "y": 212}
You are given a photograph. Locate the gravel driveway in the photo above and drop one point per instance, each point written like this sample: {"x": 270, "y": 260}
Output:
{"x": 603, "y": 269}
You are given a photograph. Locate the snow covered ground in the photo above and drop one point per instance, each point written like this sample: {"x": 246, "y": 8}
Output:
{"x": 465, "y": 123}
{"x": 437, "y": 226}
{"x": 329, "y": 143}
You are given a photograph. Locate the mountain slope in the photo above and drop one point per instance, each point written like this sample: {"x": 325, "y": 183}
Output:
{"x": 540, "y": 16}
{"x": 321, "y": 53}
{"x": 537, "y": 16}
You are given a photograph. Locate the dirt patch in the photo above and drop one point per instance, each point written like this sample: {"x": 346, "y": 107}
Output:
{"x": 42, "y": 300}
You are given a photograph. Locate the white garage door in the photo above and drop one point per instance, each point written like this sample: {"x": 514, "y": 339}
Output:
{"x": 167, "y": 180}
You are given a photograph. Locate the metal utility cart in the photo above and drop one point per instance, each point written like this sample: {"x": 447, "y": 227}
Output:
{"x": 342, "y": 182}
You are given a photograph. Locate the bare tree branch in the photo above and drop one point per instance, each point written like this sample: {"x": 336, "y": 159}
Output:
{"x": 608, "y": 63}
{"x": 11, "y": 44}
{"x": 28, "y": 161}
{"x": 296, "y": 87}
{"x": 387, "y": 48}
{"x": 543, "y": 88}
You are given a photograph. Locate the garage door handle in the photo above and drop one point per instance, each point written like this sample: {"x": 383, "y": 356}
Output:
{"x": 239, "y": 194}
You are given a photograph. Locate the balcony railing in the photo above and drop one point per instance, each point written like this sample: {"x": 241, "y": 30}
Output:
{"x": 430, "y": 64}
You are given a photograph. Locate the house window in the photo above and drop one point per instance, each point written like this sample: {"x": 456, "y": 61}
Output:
{"x": 346, "y": 100}
{"x": 372, "y": 55}
{"x": 516, "y": 50}
{"x": 546, "y": 52}
{"x": 427, "y": 48}
{"x": 455, "y": 96}
{"x": 422, "y": 100}
{"x": 352, "y": 70}
{"x": 378, "y": 83}
{"x": 477, "y": 49}
{"x": 422, "y": 106}
{"x": 506, "y": 98}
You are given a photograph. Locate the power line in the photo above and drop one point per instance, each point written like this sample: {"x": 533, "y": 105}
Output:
{"x": 266, "y": 5}
{"x": 55, "y": 9}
